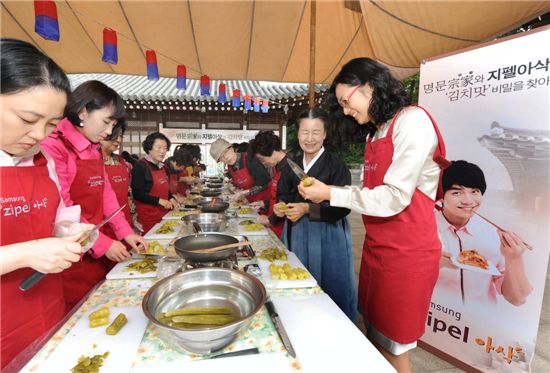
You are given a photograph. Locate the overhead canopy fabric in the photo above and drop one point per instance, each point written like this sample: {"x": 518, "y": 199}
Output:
{"x": 265, "y": 40}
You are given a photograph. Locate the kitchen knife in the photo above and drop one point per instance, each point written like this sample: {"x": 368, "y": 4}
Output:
{"x": 280, "y": 328}
{"x": 249, "y": 351}
{"x": 30, "y": 281}
{"x": 296, "y": 169}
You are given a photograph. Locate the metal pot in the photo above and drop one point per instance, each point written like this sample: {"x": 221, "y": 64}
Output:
{"x": 214, "y": 185}
{"x": 244, "y": 294}
{"x": 218, "y": 206}
{"x": 186, "y": 246}
{"x": 208, "y": 221}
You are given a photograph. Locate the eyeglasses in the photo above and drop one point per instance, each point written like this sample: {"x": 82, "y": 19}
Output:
{"x": 344, "y": 103}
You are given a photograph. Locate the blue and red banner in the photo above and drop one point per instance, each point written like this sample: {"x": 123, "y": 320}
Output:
{"x": 181, "y": 82}
{"x": 247, "y": 102}
{"x": 222, "y": 96}
{"x": 236, "y": 98}
{"x": 205, "y": 85}
{"x": 110, "y": 53}
{"x": 45, "y": 20}
{"x": 152, "y": 68}
{"x": 265, "y": 105}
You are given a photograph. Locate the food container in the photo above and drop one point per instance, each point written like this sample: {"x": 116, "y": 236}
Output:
{"x": 204, "y": 287}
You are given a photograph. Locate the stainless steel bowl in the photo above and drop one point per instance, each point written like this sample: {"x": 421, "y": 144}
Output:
{"x": 208, "y": 221}
{"x": 204, "y": 287}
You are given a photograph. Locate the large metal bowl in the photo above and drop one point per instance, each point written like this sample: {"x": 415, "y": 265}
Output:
{"x": 208, "y": 221}
{"x": 204, "y": 287}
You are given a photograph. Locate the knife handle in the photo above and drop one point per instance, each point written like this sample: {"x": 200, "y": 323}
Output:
{"x": 30, "y": 281}
{"x": 271, "y": 308}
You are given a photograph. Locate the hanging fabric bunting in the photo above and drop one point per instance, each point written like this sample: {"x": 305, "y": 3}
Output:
{"x": 205, "y": 85}
{"x": 247, "y": 102}
{"x": 236, "y": 98}
{"x": 110, "y": 53}
{"x": 181, "y": 82}
{"x": 45, "y": 20}
{"x": 257, "y": 105}
{"x": 265, "y": 105}
{"x": 152, "y": 68}
{"x": 222, "y": 97}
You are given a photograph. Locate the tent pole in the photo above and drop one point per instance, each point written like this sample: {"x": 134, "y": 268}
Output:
{"x": 312, "y": 54}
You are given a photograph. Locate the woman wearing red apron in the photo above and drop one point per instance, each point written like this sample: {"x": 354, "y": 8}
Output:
{"x": 404, "y": 156}
{"x": 92, "y": 112}
{"x": 118, "y": 173}
{"x": 33, "y": 95}
{"x": 150, "y": 182}
{"x": 247, "y": 173}
{"x": 266, "y": 146}
{"x": 175, "y": 167}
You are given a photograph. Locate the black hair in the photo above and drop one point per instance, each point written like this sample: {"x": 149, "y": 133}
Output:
{"x": 23, "y": 66}
{"x": 265, "y": 143}
{"x": 118, "y": 130}
{"x": 127, "y": 157}
{"x": 150, "y": 140}
{"x": 388, "y": 97}
{"x": 464, "y": 174}
{"x": 93, "y": 95}
{"x": 182, "y": 157}
{"x": 240, "y": 147}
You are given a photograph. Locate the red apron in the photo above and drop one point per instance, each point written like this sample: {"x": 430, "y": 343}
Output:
{"x": 400, "y": 262}
{"x": 182, "y": 187}
{"x": 87, "y": 191}
{"x": 173, "y": 185}
{"x": 119, "y": 177}
{"x": 243, "y": 180}
{"x": 278, "y": 226}
{"x": 149, "y": 215}
{"x": 28, "y": 206}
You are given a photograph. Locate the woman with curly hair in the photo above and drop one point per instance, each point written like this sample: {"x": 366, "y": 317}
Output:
{"x": 404, "y": 155}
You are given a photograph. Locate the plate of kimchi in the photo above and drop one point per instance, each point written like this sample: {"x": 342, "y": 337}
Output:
{"x": 472, "y": 260}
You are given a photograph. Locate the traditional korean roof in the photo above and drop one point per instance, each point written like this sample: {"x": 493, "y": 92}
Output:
{"x": 136, "y": 87}
{"x": 525, "y": 153}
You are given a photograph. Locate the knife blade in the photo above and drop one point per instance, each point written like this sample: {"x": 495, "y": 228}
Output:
{"x": 296, "y": 169}
{"x": 280, "y": 328}
{"x": 36, "y": 276}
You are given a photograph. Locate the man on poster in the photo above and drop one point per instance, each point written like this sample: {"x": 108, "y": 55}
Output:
{"x": 461, "y": 232}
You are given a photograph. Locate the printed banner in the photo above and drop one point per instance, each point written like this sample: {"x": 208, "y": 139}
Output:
{"x": 492, "y": 106}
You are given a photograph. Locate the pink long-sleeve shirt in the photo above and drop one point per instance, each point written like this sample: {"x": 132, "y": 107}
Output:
{"x": 65, "y": 165}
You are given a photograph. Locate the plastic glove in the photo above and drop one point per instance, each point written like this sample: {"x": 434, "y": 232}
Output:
{"x": 70, "y": 228}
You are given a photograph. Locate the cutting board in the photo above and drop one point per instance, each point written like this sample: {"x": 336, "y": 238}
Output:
{"x": 81, "y": 339}
{"x": 118, "y": 271}
{"x": 285, "y": 284}
{"x": 178, "y": 215}
{"x": 151, "y": 235}
{"x": 244, "y": 232}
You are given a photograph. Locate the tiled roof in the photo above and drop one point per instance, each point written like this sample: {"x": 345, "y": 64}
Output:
{"x": 137, "y": 87}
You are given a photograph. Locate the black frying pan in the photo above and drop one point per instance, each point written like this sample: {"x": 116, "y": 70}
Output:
{"x": 186, "y": 246}
{"x": 219, "y": 206}
{"x": 211, "y": 192}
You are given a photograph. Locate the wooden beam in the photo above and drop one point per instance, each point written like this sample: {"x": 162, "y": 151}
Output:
{"x": 312, "y": 24}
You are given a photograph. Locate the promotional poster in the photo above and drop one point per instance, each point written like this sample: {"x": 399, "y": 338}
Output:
{"x": 492, "y": 105}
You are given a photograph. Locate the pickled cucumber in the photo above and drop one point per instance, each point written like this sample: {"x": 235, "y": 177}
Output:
{"x": 142, "y": 266}
{"x": 199, "y": 311}
{"x": 117, "y": 324}
{"x": 205, "y": 319}
{"x": 99, "y": 321}
{"x": 273, "y": 253}
{"x": 88, "y": 364}
{"x": 100, "y": 313}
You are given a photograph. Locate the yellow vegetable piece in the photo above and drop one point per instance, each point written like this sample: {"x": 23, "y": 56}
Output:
{"x": 99, "y": 321}
{"x": 117, "y": 324}
{"x": 307, "y": 181}
{"x": 100, "y": 313}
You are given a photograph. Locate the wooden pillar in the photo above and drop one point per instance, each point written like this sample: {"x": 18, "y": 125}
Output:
{"x": 312, "y": 54}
